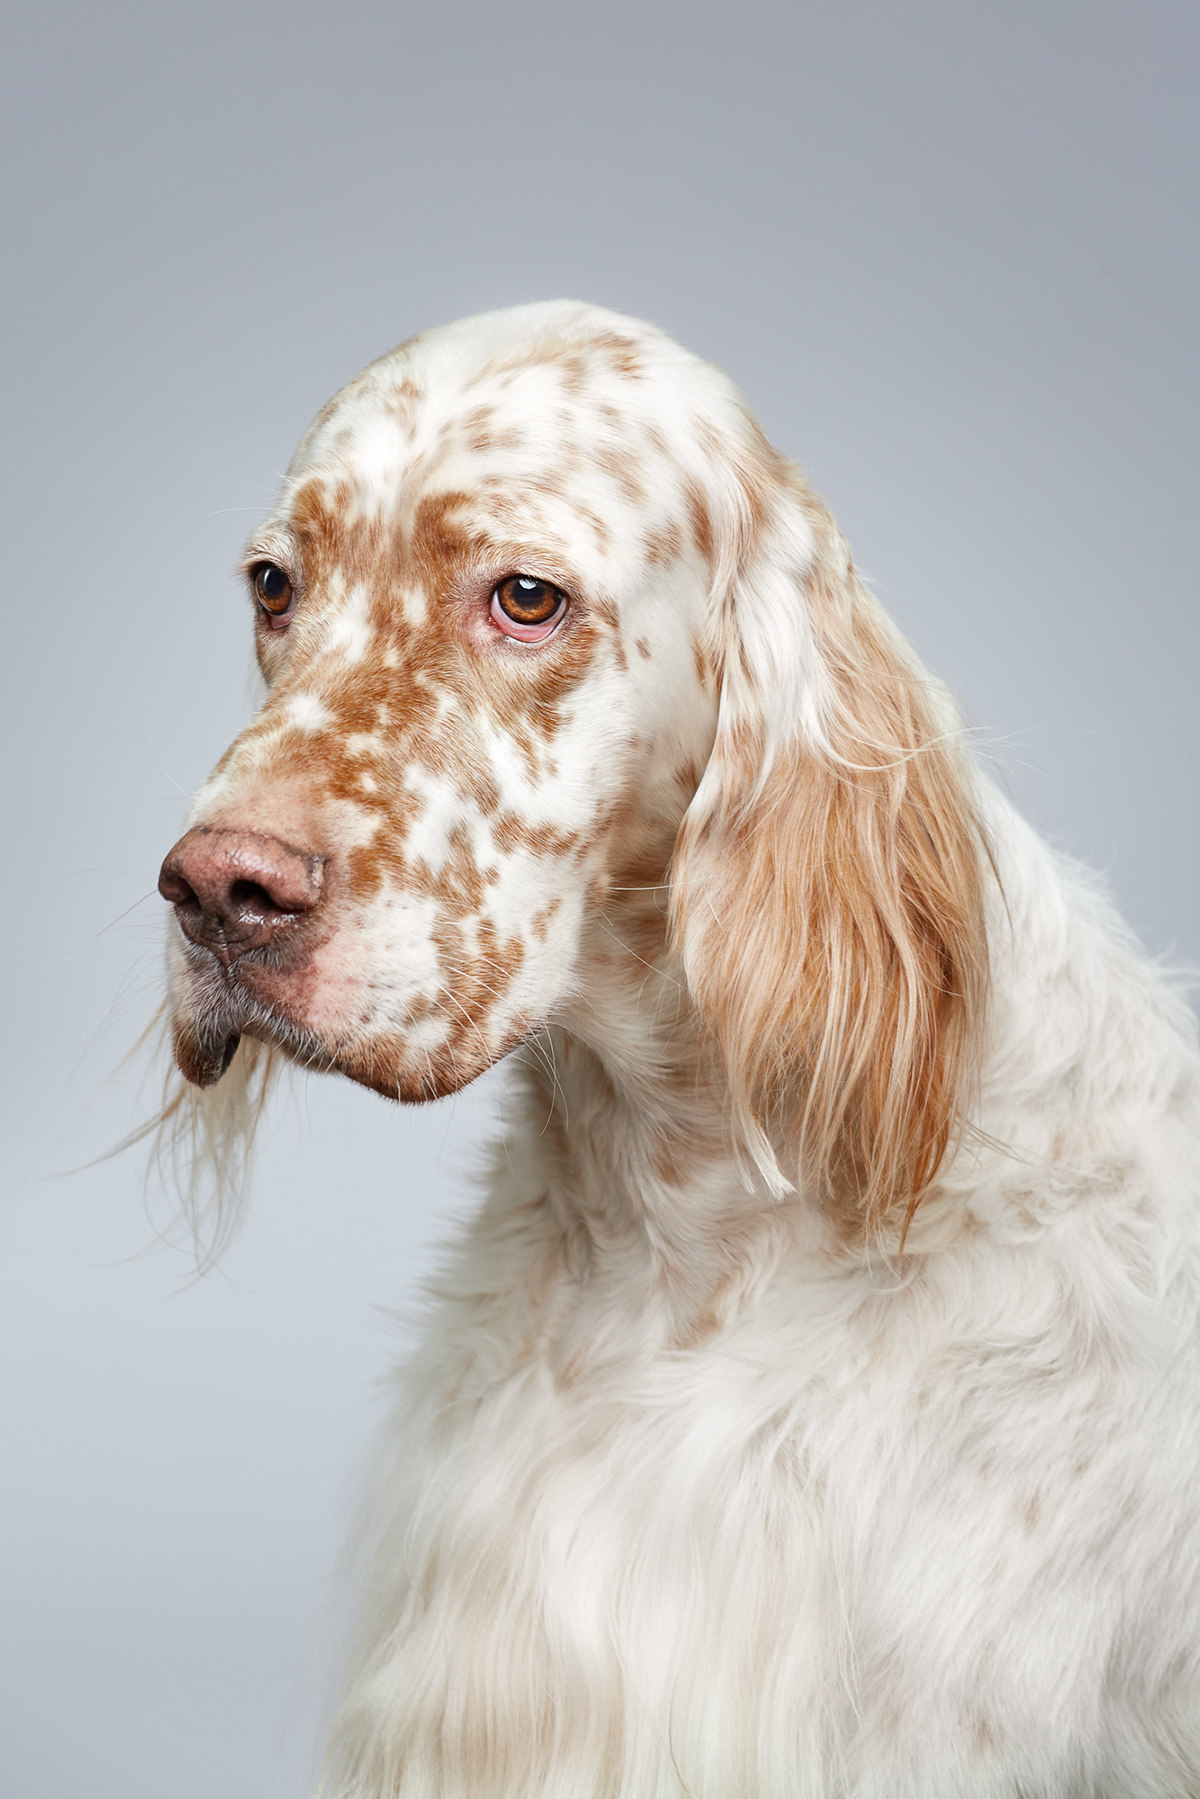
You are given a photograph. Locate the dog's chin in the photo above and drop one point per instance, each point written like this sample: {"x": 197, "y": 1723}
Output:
{"x": 389, "y": 1065}
{"x": 204, "y": 1047}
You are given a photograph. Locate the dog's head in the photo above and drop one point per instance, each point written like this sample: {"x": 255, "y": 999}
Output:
{"x": 547, "y": 627}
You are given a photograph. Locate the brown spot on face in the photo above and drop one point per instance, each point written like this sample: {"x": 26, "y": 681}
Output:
{"x": 664, "y": 545}
{"x": 574, "y": 372}
{"x": 620, "y": 471}
{"x": 539, "y": 925}
{"x": 318, "y": 515}
{"x": 404, "y": 397}
{"x": 444, "y": 545}
{"x": 622, "y": 353}
{"x": 510, "y": 832}
{"x": 599, "y": 529}
{"x": 458, "y": 884}
{"x": 643, "y": 648}
{"x": 484, "y": 789}
{"x": 548, "y": 485}
{"x": 655, "y": 436}
{"x": 484, "y": 432}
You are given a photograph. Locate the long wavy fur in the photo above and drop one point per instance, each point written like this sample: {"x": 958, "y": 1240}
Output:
{"x": 827, "y": 881}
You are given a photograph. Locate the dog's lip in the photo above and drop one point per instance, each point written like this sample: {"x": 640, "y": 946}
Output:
{"x": 215, "y": 1019}
{"x": 204, "y": 1056}
{"x": 279, "y": 1030}
{"x": 203, "y": 1059}
{"x": 217, "y": 1006}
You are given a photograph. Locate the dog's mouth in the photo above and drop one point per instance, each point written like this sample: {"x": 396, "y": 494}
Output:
{"x": 216, "y": 1008}
{"x": 218, "y": 1012}
{"x": 203, "y": 1055}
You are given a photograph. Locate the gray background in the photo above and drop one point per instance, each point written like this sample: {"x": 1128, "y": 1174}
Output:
{"x": 949, "y": 251}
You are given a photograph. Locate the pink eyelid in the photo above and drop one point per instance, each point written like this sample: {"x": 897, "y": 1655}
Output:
{"x": 525, "y": 633}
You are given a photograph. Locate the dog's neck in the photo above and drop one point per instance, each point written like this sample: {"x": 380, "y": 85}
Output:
{"x": 628, "y": 1114}
{"x": 626, "y": 1123}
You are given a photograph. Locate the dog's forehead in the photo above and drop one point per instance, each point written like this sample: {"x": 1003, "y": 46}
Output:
{"x": 477, "y": 410}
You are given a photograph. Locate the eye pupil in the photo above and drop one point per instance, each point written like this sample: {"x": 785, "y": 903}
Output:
{"x": 272, "y": 588}
{"x": 528, "y": 601}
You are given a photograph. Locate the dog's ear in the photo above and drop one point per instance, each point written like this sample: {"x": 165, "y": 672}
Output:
{"x": 827, "y": 884}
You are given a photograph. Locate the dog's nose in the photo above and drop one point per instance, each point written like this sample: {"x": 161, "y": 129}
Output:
{"x": 237, "y": 890}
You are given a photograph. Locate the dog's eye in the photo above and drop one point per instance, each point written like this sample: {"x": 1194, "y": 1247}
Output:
{"x": 272, "y": 589}
{"x": 527, "y": 608}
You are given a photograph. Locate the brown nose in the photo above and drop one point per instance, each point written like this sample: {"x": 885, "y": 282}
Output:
{"x": 235, "y": 891}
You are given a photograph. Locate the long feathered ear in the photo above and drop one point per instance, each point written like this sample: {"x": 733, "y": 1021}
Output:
{"x": 827, "y": 885}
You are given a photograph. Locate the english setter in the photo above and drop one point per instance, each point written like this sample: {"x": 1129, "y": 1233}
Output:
{"x": 811, "y": 1409}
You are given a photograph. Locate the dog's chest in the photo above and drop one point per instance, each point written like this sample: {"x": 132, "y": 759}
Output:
{"x": 595, "y": 1565}
{"x": 769, "y": 1546}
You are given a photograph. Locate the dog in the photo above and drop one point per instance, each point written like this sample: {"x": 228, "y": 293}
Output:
{"x": 812, "y": 1408}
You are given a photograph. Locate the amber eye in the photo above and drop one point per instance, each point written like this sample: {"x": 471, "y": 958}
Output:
{"x": 272, "y": 589}
{"x": 527, "y": 601}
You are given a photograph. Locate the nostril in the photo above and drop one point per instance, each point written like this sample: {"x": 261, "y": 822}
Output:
{"x": 251, "y": 896}
{"x": 174, "y": 889}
